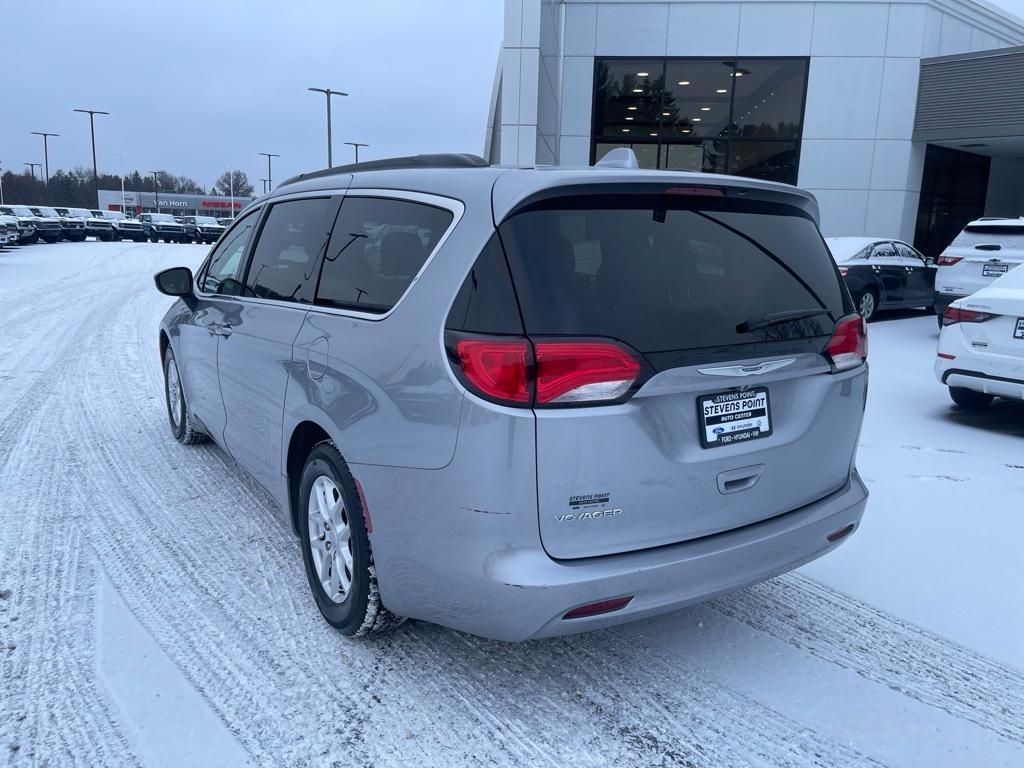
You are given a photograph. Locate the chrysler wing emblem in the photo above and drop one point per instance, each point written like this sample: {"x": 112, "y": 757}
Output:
{"x": 747, "y": 370}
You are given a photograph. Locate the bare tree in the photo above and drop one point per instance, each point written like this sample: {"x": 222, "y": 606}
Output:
{"x": 242, "y": 187}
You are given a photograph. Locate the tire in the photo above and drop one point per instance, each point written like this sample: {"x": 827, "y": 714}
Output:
{"x": 970, "y": 400}
{"x": 867, "y": 305}
{"x": 356, "y": 610}
{"x": 182, "y": 426}
{"x": 154, "y": 239}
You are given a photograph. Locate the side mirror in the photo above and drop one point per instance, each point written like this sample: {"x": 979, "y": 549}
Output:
{"x": 176, "y": 281}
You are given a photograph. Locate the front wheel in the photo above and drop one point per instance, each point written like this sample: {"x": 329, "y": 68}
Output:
{"x": 335, "y": 546}
{"x": 867, "y": 305}
{"x": 970, "y": 400}
{"x": 182, "y": 426}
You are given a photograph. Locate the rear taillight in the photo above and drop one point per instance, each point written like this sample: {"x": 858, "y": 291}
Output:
{"x": 550, "y": 372}
{"x": 496, "y": 368}
{"x": 584, "y": 371}
{"x": 954, "y": 315}
{"x": 945, "y": 260}
{"x": 848, "y": 346}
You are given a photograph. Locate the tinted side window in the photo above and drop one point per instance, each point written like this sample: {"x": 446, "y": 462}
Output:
{"x": 378, "y": 247}
{"x": 284, "y": 262}
{"x": 883, "y": 251}
{"x": 909, "y": 253}
{"x": 224, "y": 273}
{"x": 486, "y": 303}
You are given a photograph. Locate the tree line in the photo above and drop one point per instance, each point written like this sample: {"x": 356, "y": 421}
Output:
{"x": 74, "y": 188}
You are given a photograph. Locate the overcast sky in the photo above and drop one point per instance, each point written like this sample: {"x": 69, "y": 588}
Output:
{"x": 196, "y": 87}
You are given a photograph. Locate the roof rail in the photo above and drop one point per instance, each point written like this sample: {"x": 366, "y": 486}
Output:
{"x": 448, "y": 160}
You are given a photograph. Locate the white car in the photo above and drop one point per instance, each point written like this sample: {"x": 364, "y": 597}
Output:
{"x": 985, "y": 251}
{"x": 981, "y": 345}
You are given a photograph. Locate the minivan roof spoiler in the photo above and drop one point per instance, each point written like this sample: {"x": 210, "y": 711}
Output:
{"x": 446, "y": 160}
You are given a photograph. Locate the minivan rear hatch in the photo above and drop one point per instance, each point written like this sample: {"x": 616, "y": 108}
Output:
{"x": 728, "y": 299}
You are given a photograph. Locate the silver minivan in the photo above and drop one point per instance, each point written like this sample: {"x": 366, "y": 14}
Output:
{"x": 525, "y": 402}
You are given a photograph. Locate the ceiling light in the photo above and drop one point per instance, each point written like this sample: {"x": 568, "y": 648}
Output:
{"x": 737, "y": 74}
{"x": 696, "y": 119}
{"x": 705, "y": 109}
{"x": 632, "y": 109}
{"x": 629, "y": 118}
{"x": 665, "y": 114}
{"x": 625, "y": 130}
{"x": 642, "y": 74}
{"x": 638, "y": 90}
{"x": 686, "y": 130}
{"x": 654, "y": 134}
{"x": 684, "y": 82}
{"x": 722, "y": 90}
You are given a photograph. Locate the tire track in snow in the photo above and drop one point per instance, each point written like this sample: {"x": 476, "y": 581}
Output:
{"x": 884, "y": 649}
{"x": 54, "y": 711}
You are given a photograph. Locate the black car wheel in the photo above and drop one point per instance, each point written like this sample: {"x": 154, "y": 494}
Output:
{"x": 867, "y": 305}
{"x": 970, "y": 400}
{"x": 336, "y": 548}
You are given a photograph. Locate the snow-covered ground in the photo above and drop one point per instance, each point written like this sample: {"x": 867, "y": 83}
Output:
{"x": 154, "y": 611}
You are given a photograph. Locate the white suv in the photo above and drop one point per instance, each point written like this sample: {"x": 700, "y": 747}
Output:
{"x": 986, "y": 250}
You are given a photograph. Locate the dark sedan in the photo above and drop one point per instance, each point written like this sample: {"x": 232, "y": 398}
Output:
{"x": 883, "y": 274}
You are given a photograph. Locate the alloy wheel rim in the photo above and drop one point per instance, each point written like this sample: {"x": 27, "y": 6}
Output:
{"x": 330, "y": 540}
{"x": 174, "y": 398}
{"x": 867, "y": 305}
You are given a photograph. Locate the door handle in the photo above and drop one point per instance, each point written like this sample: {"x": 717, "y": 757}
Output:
{"x": 220, "y": 329}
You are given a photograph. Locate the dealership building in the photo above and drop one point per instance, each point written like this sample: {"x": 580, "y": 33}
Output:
{"x": 904, "y": 118}
{"x": 171, "y": 202}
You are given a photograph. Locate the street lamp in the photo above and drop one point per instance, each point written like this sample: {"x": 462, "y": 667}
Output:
{"x": 92, "y": 132}
{"x": 264, "y": 185}
{"x": 1, "y": 186}
{"x": 32, "y": 167}
{"x": 46, "y": 154}
{"x": 156, "y": 189}
{"x": 357, "y": 145}
{"x": 328, "y": 93}
{"x": 270, "y": 176}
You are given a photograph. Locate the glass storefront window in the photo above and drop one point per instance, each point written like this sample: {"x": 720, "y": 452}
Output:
{"x": 717, "y": 115}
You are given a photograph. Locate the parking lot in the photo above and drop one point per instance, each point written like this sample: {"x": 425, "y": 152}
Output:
{"x": 153, "y": 606}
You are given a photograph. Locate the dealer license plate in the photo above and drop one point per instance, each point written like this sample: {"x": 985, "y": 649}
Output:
{"x": 726, "y": 418}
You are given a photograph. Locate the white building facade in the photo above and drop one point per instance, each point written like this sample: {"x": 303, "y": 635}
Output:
{"x": 817, "y": 93}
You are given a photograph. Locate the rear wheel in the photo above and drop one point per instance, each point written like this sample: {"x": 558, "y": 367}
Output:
{"x": 970, "y": 400}
{"x": 182, "y": 426}
{"x": 867, "y": 305}
{"x": 335, "y": 546}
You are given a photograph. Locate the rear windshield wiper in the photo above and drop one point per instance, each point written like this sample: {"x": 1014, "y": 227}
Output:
{"x": 775, "y": 318}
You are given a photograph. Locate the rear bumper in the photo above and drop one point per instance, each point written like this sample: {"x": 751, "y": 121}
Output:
{"x": 522, "y": 594}
{"x": 965, "y": 367}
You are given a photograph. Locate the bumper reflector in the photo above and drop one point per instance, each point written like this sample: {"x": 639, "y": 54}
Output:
{"x": 842, "y": 533}
{"x": 602, "y": 606}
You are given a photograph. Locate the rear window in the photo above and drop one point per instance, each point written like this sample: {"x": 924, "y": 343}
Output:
{"x": 663, "y": 275}
{"x": 1006, "y": 235}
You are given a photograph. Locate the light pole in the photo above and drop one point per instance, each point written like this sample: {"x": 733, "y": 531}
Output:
{"x": 270, "y": 176}
{"x": 92, "y": 132}
{"x": 357, "y": 145}
{"x": 120, "y": 173}
{"x": 328, "y": 93}
{"x": 1, "y": 186}
{"x": 156, "y": 189}
{"x": 264, "y": 185}
{"x": 32, "y": 167}
{"x": 46, "y": 156}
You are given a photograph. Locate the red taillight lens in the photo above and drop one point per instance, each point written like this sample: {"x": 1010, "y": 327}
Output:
{"x": 519, "y": 371}
{"x": 584, "y": 371}
{"x": 954, "y": 315}
{"x": 948, "y": 261}
{"x": 595, "y": 609}
{"x": 848, "y": 346}
{"x": 496, "y": 368}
